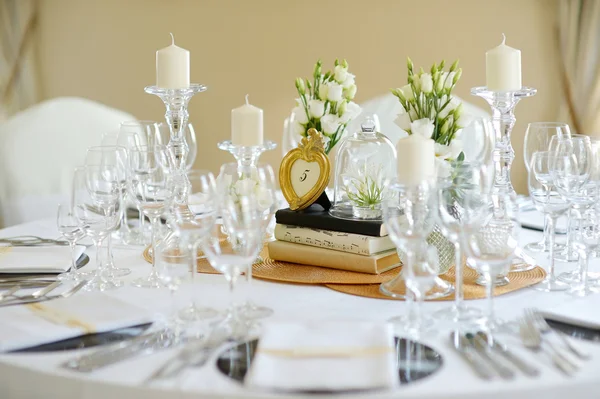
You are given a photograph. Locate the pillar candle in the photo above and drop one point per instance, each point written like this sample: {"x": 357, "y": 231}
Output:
{"x": 416, "y": 159}
{"x": 247, "y": 125}
{"x": 503, "y": 68}
{"x": 172, "y": 67}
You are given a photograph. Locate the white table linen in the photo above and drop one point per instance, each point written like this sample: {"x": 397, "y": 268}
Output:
{"x": 42, "y": 259}
{"x": 37, "y": 375}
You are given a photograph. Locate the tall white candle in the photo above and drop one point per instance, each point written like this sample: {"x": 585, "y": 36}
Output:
{"x": 416, "y": 159}
{"x": 172, "y": 67}
{"x": 503, "y": 68}
{"x": 247, "y": 125}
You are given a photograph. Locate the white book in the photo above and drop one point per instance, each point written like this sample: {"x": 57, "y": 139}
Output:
{"x": 345, "y": 242}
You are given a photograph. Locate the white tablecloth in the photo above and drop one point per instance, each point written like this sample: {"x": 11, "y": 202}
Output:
{"x": 37, "y": 375}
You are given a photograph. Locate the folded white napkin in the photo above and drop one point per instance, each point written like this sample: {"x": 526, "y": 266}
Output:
{"x": 52, "y": 259}
{"x": 535, "y": 220}
{"x": 582, "y": 312}
{"x": 58, "y": 319}
{"x": 324, "y": 356}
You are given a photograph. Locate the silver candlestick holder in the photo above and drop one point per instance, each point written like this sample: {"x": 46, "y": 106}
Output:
{"x": 503, "y": 104}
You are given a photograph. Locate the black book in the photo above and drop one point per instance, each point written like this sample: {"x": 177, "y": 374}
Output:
{"x": 315, "y": 217}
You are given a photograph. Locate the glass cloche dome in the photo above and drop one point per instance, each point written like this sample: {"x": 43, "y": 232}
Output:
{"x": 365, "y": 165}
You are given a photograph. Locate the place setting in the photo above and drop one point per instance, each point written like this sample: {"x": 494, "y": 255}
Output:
{"x": 415, "y": 247}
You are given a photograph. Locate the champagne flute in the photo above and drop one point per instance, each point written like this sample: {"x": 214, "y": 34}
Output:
{"x": 69, "y": 228}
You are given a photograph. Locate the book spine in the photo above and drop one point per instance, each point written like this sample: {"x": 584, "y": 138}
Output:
{"x": 341, "y": 225}
{"x": 343, "y": 242}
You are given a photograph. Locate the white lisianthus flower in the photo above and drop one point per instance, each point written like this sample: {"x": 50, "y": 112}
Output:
{"x": 455, "y": 147}
{"x": 447, "y": 78}
{"x": 316, "y": 108}
{"x": 413, "y": 114}
{"x": 407, "y": 92}
{"x": 330, "y": 123}
{"x": 454, "y": 102}
{"x": 423, "y": 127}
{"x": 352, "y": 111}
{"x": 298, "y": 129}
{"x": 334, "y": 92}
{"x": 349, "y": 81}
{"x": 340, "y": 73}
{"x": 442, "y": 168}
{"x": 403, "y": 121}
{"x": 442, "y": 151}
{"x": 264, "y": 197}
{"x": 300, "y": 115}
{"x": 323, "y": 91}
{"x": 426, "y": 83}
{"x": 245, "y": 187}
{"x": 350, "y": 92}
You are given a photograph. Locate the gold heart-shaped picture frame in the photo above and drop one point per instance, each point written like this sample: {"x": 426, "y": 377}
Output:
{"x": 304, "y": 172}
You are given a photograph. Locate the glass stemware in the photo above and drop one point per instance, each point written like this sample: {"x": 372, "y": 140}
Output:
{"x": 95, "y": 201}
{"x": 544, "y": 170}
{"x": 255, "y": 182}
{"x": 202, "y": 203}
{"x": 492, "y": 248}
{"x": 69, "y": 228}
{"x": 149, "y": 185}
{"x": 588, "y": 240}
{"x": 537, "y": 138}
{"x": 463, "y": 205}
{"x": 478, "y": 139}
{"x": 190, "y": 138}
{"x": 410, "y": 215}
{"x": 114, "y": 157}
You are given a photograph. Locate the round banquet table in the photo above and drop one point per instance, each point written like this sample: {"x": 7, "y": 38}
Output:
{"x": 37, "y": 375}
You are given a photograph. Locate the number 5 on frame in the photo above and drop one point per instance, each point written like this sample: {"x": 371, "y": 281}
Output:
{"x": 304, "y": 172}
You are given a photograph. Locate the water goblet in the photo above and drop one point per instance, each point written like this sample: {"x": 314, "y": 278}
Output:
{"x": 587, "y": 241}
{"x": 200, "y": 194}
{"x": 537, "y": 138}
{"x": 69, "y": 228}
{"x": 149, "y": 185}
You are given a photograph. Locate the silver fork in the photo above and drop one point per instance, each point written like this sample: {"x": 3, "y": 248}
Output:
{"x": 544, "y": 328}
{"x": 30, "y": 299}
{"x": 36, "y": 295}
{"x": 532, "y": 340}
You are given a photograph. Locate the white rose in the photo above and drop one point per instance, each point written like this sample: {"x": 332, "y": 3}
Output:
{"x": 316, "y": 108}
{"x": 448, "y": 108}
{"x": 423, "y": 127}
{"x": 403, "y": 121}
{"x": 350, "y": 92}
{"x": 349, "y": 81}
{"x": 298, "y": 129}
{"x": 426, "y": 83}
{"x": 330, "y": 123}
{"x": 334, "y": 92}
{"x": 245, "y": 187}
{"x": 352, "y": 111}
{"x": 300, "y": 115}
{"x": 323, "y": 91}
{"x": 340, "y": 73}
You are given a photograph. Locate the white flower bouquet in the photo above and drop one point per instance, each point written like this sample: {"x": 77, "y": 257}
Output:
{"x": 429, "y": 109}
{"x": 325, "y": 103}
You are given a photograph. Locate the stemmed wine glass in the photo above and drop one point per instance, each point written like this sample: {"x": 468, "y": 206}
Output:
{"x": 114, "y": 157}
{"x": 192, "y": 224}
{"x": 588, "y": 240}
{"x": 410, "y": 216}
{"x": 95, "y": 204}
{"x": 537, "y": 138}
{"x": 69, "y": 228}
{"x": 463, "y": 204}
{"x": 544, "y": 170}
{"x": 492, "y": 248}
{"x": 256, "y": 182}
{"x": 149, "y": 185}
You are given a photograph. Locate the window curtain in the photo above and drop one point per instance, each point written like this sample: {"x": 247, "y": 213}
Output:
{"x": 578, "y": 34}
{"x": 18, "y": 74}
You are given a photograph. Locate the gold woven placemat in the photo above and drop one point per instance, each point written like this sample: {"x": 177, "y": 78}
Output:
{"x": 471, "y": 290}
{"x": 275, "y": 270}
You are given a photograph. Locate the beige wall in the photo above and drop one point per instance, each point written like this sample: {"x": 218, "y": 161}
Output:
{"x": 104, "y": 50}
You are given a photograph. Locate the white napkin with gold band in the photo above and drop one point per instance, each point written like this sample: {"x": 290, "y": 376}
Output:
{"x": 50, "y": 259}
{"x": 327, "y": 356}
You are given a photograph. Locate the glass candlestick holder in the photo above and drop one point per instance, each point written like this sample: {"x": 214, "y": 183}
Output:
{"x": 503, "y": 104}
{"x": 246, "y": 156}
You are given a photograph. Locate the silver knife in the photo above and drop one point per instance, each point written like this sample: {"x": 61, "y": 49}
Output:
{"x": 463, "y": 347}
{"x": 485, "y": 351}
{"x": 502, "y": 349}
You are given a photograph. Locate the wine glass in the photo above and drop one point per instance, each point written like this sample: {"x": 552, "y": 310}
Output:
{"x": 114, "y": 157}
{"x": 410, "y": 215}
{"x": 95, "y": 207}
{"x": 545, "y": 169}
{"x": 150, "y": 187}
{"x": 478, "y": 139}
{"x": 492, "y": 248}
{"x": 69, "y": 228}
{"x": 537, "y": 138}
{"x": 243, "y": 219}
{"x": 200, "y": 195}
{"x": 255, "y": 182}
{"x": 189, "y": 135}
{"x": 588, "y": 240}
{"x": 463, "y": 205}
{"x": 291, "y": 136}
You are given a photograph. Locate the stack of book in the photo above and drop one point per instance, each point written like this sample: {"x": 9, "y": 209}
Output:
{"x": 313, "y": 237}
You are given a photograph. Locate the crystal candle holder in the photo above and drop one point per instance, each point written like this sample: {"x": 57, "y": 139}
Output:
{"x": 246, "y": 156}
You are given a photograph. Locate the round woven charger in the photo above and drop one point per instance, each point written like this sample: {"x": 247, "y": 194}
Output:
{"x": 471, "y": 290}
{"x": 275, "y": 270}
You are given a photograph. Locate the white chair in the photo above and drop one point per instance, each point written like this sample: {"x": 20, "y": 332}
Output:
{"x": 39, "y": 149}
